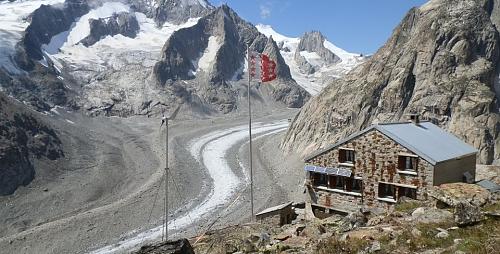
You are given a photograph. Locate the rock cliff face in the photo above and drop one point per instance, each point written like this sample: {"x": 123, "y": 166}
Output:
{"x": 120, "y": 23}
{"x": 179, "y": 11}
{"x": 215, "y": 49}
{"x": 171, "y": 11}
{"x": 46, "y": 22}
{"x": 221, "y": 34}
{"x": 23, "y": 139}
{"x": 40, "y": 89}
{"x": 441, "y": 62}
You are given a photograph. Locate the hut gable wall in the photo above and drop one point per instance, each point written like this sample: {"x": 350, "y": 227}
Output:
{"x": 376, "y": 160}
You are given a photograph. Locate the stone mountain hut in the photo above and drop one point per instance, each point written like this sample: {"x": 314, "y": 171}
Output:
{"x": 374, "y": 168}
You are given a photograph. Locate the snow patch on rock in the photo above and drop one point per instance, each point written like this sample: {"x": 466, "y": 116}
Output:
{"x": 81, "y": 28}
{"x": 12, "y": 26}
{"x": 208, "y": 57}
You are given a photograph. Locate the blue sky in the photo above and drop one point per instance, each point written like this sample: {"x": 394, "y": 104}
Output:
{"x": 358, "y": 26}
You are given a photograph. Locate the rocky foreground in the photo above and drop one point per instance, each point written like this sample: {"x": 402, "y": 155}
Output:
{"x": 457, "y": 218}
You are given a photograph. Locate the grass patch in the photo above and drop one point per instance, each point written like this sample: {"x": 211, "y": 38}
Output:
{"x": 492, "y": 207}
{"x": 480, "y": 238}
{"x": 406, "y": 207}
{"x": 427, "y": 239}
{"x": 336, "y": 246}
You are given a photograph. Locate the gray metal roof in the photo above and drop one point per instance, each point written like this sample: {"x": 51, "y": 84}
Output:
{"x": 424, "y": 139}
{"x": 274, "y": 208}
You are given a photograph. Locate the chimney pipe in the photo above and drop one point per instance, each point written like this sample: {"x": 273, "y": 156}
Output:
{"x": 415, "y": 118}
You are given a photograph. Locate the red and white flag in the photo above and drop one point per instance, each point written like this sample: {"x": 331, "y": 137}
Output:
{"x": 261, "y": 67}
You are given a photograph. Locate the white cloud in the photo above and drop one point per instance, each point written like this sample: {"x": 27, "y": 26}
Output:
{"x": 265, "y": 11}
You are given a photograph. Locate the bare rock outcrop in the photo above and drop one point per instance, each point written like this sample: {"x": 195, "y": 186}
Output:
{"x": 120, "y": 23}
{"x": 181, "y": 246}
{"x": 441, "y": 62}
{"x": 23, "y": 139}
{"x": 171, "y": 11}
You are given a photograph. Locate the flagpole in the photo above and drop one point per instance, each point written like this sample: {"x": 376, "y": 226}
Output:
{"x": 250, "y": 133}
{"x": 166, "y": 182}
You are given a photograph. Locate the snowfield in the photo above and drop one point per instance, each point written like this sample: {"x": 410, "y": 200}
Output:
{"x": 66, "y": 47}
{"x": 313, "y": 83}
{"x": 211, "y": 150}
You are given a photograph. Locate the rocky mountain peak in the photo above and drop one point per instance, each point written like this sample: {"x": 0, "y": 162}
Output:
{"x": 313, "y": 42}
{"x": 215, "y": 50}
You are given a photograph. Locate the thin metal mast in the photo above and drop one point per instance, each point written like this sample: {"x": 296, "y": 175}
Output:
{"x": 250, "y": 133}
{"x": 166, "y": 181}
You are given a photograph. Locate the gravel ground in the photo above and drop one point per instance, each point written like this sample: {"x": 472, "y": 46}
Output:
{"x": 105, "y": 189}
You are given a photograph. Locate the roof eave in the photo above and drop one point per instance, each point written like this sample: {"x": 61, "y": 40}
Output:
{"x": 340, "y": 142}
{"x": 458, "y": 157}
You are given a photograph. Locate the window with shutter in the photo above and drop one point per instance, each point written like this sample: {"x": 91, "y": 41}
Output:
{"x": 346, "y": 156}
{"x": 407, "y": 164}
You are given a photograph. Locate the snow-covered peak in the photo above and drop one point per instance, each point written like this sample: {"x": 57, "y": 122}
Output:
{"x": 268, "y": 31}
{"x": 309, "y": 69}
{"x": 344, "y": 55}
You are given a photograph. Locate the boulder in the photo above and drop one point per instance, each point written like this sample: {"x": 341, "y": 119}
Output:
{"x": 430, "y": 215}
{"x": 467, "y": 214}
{"x": 313, "y": 231}
{"x": 181, "y": 246}
{"x": 453, "y": 194}
{"x": 375, "y": 247}
{"x": 355, "y": 220}
{"x": 443, "y": 233}
{"x": 416, "y": 233}
{"x": 375, "y": 220}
